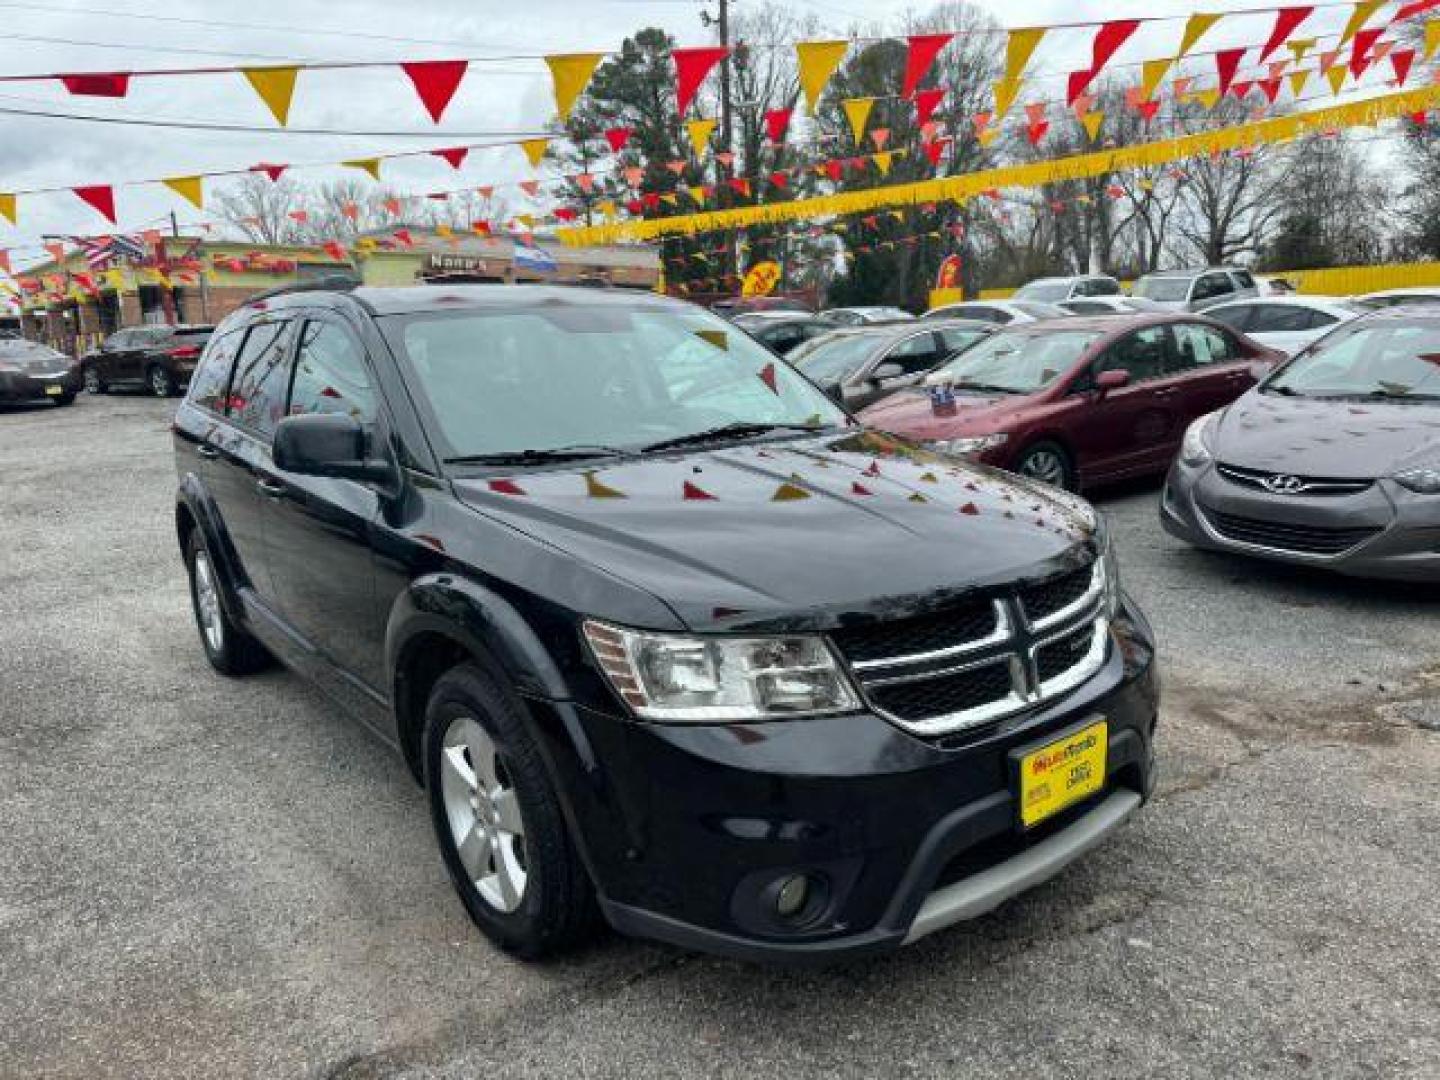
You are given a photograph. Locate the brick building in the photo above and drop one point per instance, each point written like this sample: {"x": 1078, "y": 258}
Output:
{"x": 72, "y": 306}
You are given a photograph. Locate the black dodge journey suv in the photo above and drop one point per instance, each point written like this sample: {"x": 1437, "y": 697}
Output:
{"x": 667, "y": 637}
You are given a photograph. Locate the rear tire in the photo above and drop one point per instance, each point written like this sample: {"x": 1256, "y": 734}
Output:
{"x": 231, "y": 651}
{"x": 1049, "y": 463}
{"x": 94, "y": 384}
{"x": 159, "y": 382}
{"x": 498, "y": 820}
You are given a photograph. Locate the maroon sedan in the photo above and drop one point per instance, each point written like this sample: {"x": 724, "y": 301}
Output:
{"x": 1078, "y": 402}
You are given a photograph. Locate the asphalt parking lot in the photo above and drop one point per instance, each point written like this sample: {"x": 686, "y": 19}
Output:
{"x": 212, "y": 878}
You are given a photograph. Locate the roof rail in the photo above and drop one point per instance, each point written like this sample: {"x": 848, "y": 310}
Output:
{"x": 329, "y": 283}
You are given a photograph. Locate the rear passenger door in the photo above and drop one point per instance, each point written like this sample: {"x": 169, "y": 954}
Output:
{"x": 1211, "y": 369}
{"x": 318, "y": 529}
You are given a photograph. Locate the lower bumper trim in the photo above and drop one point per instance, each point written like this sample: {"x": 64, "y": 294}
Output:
{"x": 984, "y": 891}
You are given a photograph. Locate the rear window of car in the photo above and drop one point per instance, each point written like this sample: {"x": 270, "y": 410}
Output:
{"x": 1047, "y": 290}
{"x": 1167, "y": 289}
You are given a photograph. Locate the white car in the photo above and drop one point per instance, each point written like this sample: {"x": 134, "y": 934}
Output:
{"x": 1052, "y": 290}
{"x": 1286, "y": 323}
{"x": 1416, "y": 294}
{"x": 1110, "y": 305}
{"x": 861, "y": 316}
{"x": 1002, "y": 312}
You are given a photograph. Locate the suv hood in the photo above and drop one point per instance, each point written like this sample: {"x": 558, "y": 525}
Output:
{"x": 1343, "y": 440}
{"x": 794, "y": 534}
{"x": 910, "y": 413}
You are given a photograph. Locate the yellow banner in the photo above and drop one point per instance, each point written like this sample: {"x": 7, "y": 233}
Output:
{"x": 1031, "y": 174}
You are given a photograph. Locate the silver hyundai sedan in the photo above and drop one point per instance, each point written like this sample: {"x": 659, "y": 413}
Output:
{"x": 1332, "y": 461}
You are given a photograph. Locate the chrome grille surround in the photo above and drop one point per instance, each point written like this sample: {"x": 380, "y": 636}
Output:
{"x": 1255, "y": 480}
{"x": 1015, "y": 642}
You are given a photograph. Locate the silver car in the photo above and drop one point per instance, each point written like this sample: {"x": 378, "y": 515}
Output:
{"x": 1195, "y": 290}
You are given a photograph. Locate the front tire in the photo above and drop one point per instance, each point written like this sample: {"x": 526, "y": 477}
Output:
{"x": 94, "y": 384}
{"x": 231, "y": 651}
{"x": 159, "y": 382}
{"x": 1049, "y": 463}
{"x": 498, "y": 820}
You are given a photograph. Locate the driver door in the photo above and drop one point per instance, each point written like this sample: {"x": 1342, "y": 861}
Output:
{"x": 1127, "y": 432}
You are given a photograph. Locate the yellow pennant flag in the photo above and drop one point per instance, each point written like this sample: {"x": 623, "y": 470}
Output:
{"x": 189, "y": 188}
{"x": 1005, "y": 93}
{"x": 370, "y": 165}
{"x": 1298, "y": 79}
{"x": 606, "y": 207}
{"x": 882, "y": 161}
{"x": 818, "y": 61}
{"x": 986, "y": 137}
{"x": 276, "y": 87}
{"x": 1336, "y": 76}
{"x": 1209, "y": 98}
{"x": 1151, "y": 72}
{"x": 445, "y": 232}
{"x": 1358, "y": 18}
{"x": 1300, "y": 46}
{"x": 1432, "y": 38}
{"x": 7, "y": 208}
{"x": 534, "y": 150}
{"x": 1019, "y": 49}
{"x": 571, "y": 74}
{"x": 1092, "y": 121}
{"x": 527, "y": 220}
{"x": 700, "y": 132}
{"x": 857, "y": 111}
{"x": 114, "y": 279}
{"x": 1195, "y": 28}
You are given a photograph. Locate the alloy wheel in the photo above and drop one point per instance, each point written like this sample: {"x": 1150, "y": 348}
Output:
{"x": 159, "y": 382}
{"x": 484, "y": 814}
{"x": 207, "y": 603}
{"x": 92, "y": 381}
{"x": 1046, "y": 466}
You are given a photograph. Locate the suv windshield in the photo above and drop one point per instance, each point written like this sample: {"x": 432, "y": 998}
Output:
{"x": 1399, "y": 360}
{"x": 558, "y": 377}
{"x": 1163, "y": 288}
{"x": 1018, "y": 361}
{"x": 833, "y": 359}
{"x": 1045, "y": 290}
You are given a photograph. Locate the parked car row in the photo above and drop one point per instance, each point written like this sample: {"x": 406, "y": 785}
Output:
{"x": 156, "y": 359}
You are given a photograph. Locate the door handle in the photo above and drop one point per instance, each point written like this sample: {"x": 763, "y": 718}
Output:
{"x": 209, "y": 453}
{"x": 272, "y": 488}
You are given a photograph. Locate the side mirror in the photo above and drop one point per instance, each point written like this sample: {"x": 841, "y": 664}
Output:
{"x": 887, "y": 370}
{"x": 327, "y": 444}
{"x": 1111, "y": 380}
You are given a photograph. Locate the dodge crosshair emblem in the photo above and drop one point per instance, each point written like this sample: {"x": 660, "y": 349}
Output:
{"x": 1284, "y": 485}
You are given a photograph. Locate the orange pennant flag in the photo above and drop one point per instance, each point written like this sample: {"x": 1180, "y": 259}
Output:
{"x": 189, "y": 188}
{"x": 276, "y": 87}
{"x": 571, "y": 74}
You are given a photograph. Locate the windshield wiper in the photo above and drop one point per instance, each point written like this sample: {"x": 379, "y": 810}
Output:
{"x": 1396, "y": 392}
{"x": 983, "y": 387}
{"x": 735, "y": 430}
{"x": 536, "y": 457}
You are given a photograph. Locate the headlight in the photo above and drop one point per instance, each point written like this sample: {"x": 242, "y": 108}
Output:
{"x": 1110, "y": 567}
{"x": 1195, "y": 449}
{"x": 1424, "y": 480}
{"x": 976, "y": 444}
{"x": 705, "y": 680}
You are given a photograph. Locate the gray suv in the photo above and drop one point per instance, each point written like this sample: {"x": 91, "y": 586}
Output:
{"x": 1196, "y": 290}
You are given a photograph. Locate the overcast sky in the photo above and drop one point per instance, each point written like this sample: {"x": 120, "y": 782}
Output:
{"x": 79, "y": 35}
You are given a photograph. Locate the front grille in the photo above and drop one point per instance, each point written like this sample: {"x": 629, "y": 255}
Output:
{"x": 1058, "y": 657}
{"x": 971, "y": 621}
{"x": 973, "y": 664}
{"x": 1301, "y": 539}
{"x": 923, "y": 698}
{"x": 1260, "y": 480}
{"x": 1055, "y": 595}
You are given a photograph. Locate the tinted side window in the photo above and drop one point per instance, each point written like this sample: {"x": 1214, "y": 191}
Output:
{"x": 1243, "y": 279}
{"x": 330, "y": 375}
{"x": 1211, "y": 285}
{"x": 1240, "y": 316}
{"x": 918, "y": 353}
{"x": 1143, "y": 354}
{"x": 212, "y": 377}
{"x": 257, "y": 395}
{"x": 1288, "y": 318}
{"x": 1086, "y": 307}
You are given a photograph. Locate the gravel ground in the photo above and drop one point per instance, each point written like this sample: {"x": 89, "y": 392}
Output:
{"x": 212, "y": 878}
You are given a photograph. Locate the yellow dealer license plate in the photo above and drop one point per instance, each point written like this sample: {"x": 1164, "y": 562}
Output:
{"x": 54, "y": 391}
{"x": 1062, "y": 773}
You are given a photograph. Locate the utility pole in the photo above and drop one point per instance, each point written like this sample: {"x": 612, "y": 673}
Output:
{"x": 722, "y": 172}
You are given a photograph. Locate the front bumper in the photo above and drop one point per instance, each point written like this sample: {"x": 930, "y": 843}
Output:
{"x": 1402, "y": 540}
{"x": 25, "y": 386}
{"x": 688, "y": 830}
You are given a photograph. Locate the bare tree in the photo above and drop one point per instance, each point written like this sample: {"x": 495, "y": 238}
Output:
{"x": 261, "y": 209}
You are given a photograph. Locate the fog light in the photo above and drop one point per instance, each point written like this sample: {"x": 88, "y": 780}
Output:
{"x": 791, "y": 897}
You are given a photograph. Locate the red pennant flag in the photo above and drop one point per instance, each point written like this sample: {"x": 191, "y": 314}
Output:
{"x": 935, "y": 150}
{"x": 777, "y": 123}
{"x": 530, "y": 187}
{"x": 740, "y": 185}
{"x": 926, "y": 102}
{"x": 1227, "y": 62}
{"x": 98, "y": 84}
{"x": 455, "y": 155}
{"x": 1402, "y": 60}
{"x": 1108, "y": 40}
{"x": 767, "y": 376}
{"x": 923, "y": 50}
{"x": 5, "y": 267}
{"x": 436, "y": 82}
{"x": 779, "y": 179}
{"x": 1075, "y": 85}
{"x": 650, "y": 200}
{"x": 481, "y": 228}
{"x": 857, "y": 488}
{"x": 835, "y": 169}
{"x": 617, "y": 137}
{"x": 392, "y": 207}
{"x": 403, "y": 235}
{"x": 726, "y": 158}
{"x": 564, "y": 213}
{"x": 1287, "y": 21}
{"x": 970, "y": 509}
{"x": 1270, "y": 88}
{"x": 300, "y": 216}
{"x": 1360, "y": 51}
{"x": 691, "y": 67}
{"x": 1115, "y": 191}
{"x": 694, "y": 493}
{"x": 1148, "y": 109}
{"x": 101, "y": 197}
{"x": 1418, "y": 7}
{"x": 350, "y": 211}
{"x": 335, "y": 250}
{"x": 57, "y": 252}
{"x": 1241, "y": 87}
{"x": 506, "y": 487}
{"x": 274, "y": 172}
{"x": 1035, "y": 132}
